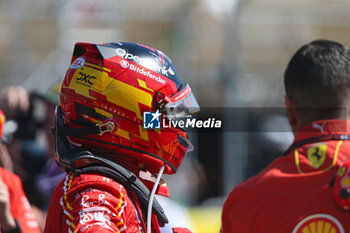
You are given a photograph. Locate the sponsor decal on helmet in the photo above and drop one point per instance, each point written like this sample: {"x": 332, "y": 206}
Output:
{"x": 124, "y": 63}
{"x": 146, "y": 73}
{"x": 150, "y": 65}
{"x": 122, "y": 53}
{"x": 322, "y": 223}
{"x": 171, "y": 71}
{"x": 86, "y": 79}
{"x": 78, "y": 63}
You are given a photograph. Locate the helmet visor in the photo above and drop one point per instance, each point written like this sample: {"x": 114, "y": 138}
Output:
{"x": 182, "y": 105}
{"x": 187, "y": 144}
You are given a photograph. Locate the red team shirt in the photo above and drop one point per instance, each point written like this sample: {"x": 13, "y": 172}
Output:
{"x": 292, "y": 195}
{"x": 19, "y": 205}
{"x": 94, "y": 203}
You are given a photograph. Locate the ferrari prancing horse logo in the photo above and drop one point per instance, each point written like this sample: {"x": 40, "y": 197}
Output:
{"x": 316, "y": 154}
{"x": 319, "y": 223}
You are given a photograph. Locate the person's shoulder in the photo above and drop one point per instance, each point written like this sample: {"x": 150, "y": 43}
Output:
{"x": 280, "y": 167}
{"x": 91, "y": 177}
{"x": 89, "y": 189}
{"x": 75, "y": 182}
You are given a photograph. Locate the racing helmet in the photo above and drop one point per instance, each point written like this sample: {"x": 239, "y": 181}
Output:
{"x": 341, "y": 185}
{"x": 107, "y": 93}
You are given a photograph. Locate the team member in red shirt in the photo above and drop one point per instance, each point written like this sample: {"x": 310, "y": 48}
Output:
{"x": 293, "y": 194}
{"x": 15, "y": 212}
{"x": 110, "y": 141}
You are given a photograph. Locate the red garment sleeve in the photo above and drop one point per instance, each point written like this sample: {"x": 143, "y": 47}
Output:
{"x": 19, "y": 205}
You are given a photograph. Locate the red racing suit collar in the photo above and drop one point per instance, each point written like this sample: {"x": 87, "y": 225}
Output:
{"x": 323, "y": 127}
{"x": 322, "y": 130}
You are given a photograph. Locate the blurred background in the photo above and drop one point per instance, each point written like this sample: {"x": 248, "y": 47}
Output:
{"x": 232, "y": 52}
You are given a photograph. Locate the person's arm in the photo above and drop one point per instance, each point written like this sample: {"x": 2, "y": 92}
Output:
{"x": 21, "y": 209}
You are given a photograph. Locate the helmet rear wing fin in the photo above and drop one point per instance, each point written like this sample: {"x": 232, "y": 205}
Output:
{"x": 83, "y": 48}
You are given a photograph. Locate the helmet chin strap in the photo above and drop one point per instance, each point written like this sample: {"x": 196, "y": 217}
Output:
{"x": 151, "y": 198}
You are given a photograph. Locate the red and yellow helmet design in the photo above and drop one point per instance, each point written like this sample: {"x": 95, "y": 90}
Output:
{"x": 341, "y": 185}
{"x": 104, "y": 95}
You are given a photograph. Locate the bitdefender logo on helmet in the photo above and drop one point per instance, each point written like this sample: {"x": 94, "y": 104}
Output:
{"x": 151, "y": 120}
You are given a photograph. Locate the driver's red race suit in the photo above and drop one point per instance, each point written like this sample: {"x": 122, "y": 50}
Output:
{"x": 94, "y": 203}
{"x": 292, "y": 195}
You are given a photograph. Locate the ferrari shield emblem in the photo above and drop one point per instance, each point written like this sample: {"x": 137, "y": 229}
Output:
{"x": 316, "y": 154}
